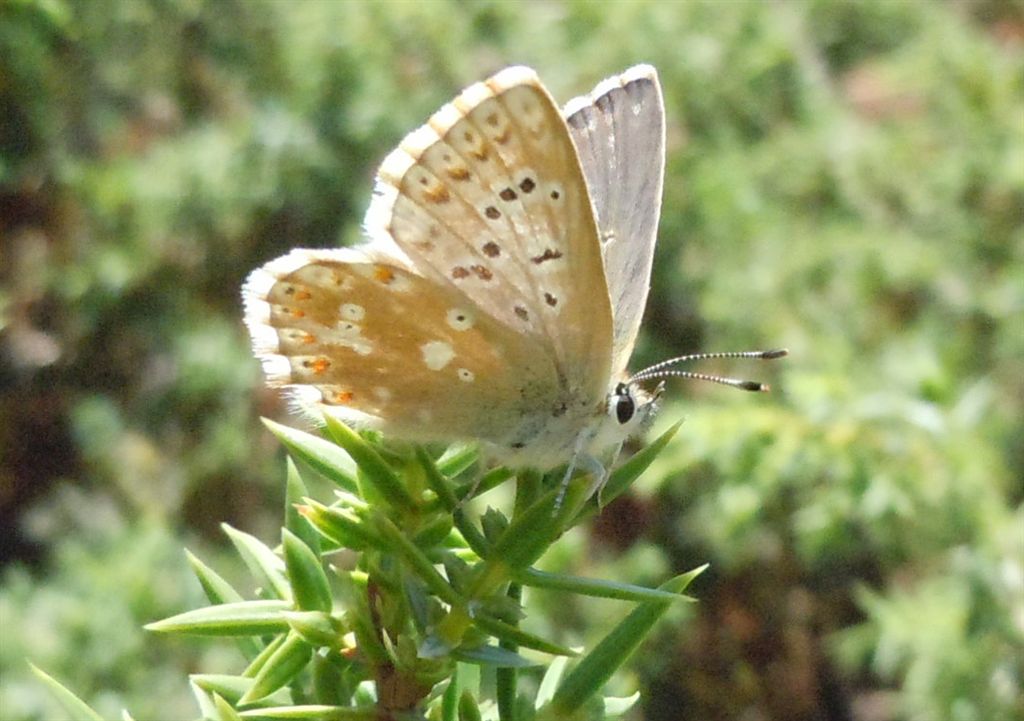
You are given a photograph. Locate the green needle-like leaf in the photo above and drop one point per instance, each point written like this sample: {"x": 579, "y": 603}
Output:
{"x": 266, "y": 565}
{"x": 322, "y": 712}
{"x": 219, "y": 591}
{"x": 492, "y": 479}
{"x": 433, "y": 531}
{"x": 493, "y": 656}
{"x": 468, "y": 708}
{"x": 511, "y": 634}
{"x": 436, "y": 480}
{"x": 75, "y": 707}
{"x": 289, "y": 659}
{"x": 330, "y": 679}
{"x": 594, "y": 670}
{"x": 248, "y": 618}
{"x": 308, "y": 581}
{"x": 533, "y": 531}
{"x": 317, "y": 628}
{"x": 257, "y": 664}
{"x": 419, "y": 562}
{"x": 295, "y": 491}
{"x": 204, "y": 700}
{"x": 458, "y": 458}
{"x": 386, "y": 485}
{"x": 549, "y": 684}
{"x": 341, "y": 525}
{"x": 594, "y": 587}
{"x": 321, "y": 455}
{"x": 232, "y": 688}
{"x": 450, "y": 700}
{"x": 225, "y": 711}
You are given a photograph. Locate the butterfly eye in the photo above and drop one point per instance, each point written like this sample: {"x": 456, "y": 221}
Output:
{"x": 623, "y": 404}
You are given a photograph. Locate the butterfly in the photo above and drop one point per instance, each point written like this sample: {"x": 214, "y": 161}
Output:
{"x": 500, "y": 290}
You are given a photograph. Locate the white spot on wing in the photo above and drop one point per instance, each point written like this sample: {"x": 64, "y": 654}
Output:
{"x": 400, "y": 284}
{"x": 466, "y": 375}
{"x": 317, "y": 275}
{"x": 362, "y": 347}
{"x": 459, "y": 319}
{"x": 437, "y": 354}
{"x": 348, "y": 335}
{"x": 352, "y": 311}
{"x": 277, "y": 369}
{"x": 348, "y": 330}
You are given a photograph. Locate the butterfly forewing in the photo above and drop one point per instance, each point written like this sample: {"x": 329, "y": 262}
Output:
{"x": 489, "y": 200}
{"x": 619, "y": 131}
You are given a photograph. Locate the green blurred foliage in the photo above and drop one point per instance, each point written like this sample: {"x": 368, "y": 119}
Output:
{"x": 844, "y": 178}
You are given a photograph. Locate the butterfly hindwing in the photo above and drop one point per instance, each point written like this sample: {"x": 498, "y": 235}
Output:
{"x": 619, "y": 131}
{"x": 379, "y": 345}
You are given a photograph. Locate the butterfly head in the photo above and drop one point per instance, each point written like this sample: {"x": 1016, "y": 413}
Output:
{"x": 632, "y": 407}
{"x": 629, "y": 410}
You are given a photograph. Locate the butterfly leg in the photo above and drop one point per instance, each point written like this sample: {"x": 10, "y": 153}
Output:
{"x": 472, "y": 492}
{"x": 582, "y": 459}
{"x": 607, "y": 475}
{"x": 593, "y": 465}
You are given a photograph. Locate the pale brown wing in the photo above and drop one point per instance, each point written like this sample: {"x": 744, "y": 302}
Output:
{"x": 377, "y": 344}
{"x": 488, "y": 199}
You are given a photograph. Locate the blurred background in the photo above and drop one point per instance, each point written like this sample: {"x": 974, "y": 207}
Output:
{"x": 845, "y": 179}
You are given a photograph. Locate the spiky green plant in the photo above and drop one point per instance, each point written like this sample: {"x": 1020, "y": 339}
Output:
{"x": 392, "y": 602}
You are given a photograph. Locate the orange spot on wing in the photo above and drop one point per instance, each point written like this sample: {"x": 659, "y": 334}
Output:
{"x": 297, "y": 313}
{"x": 383, "y": 274}
{"x": 309, "y": 338}
{"x": 320, "y": 365}
{"x": 343, "y": 397}
{"x": 437, "y": 194}
{"x": 303, "y": 295}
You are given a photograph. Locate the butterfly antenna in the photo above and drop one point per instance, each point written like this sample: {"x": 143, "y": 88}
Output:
{"x": 661, "y": 370}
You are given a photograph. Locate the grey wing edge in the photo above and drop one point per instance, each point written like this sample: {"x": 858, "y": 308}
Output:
{"x": 619, "y": 132}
